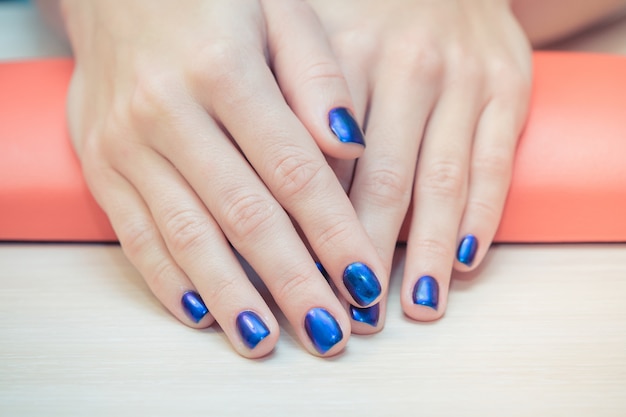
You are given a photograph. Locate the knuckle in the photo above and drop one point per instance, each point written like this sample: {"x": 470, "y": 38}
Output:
{"x": 247, "y": 215}
{"x": 291, "y": 288}
{"x": 92, "y": 148}
{"x": 295, "y": 173}
{"x": 386, "y": 185}
{"x": 335, "y": 233}
{"x": 320, "y": 72}
{"x": 356, "y": 45}
{"x": 433, "y": 249}
{"x": 150, "y": 99}
{"x": 220, "y": 66}
{"x": 185, "y": 229}
{"x": 222, "y": 291}
{"x": 114, "y": 141}
{"x": 418, "y": 57}
{"x": 485, "y": 209}
{"x": 469, "y": 70}
{"x": 494, "y": 163}
{"x": 510, "y": 82}
{"x": 161, "y": 276}
{"x": 136, "y": 237}
{"x": 443, "y": 179}
{"x": 431, "y": 65}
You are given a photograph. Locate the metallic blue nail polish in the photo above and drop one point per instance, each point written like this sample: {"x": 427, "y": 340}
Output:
{"x": 367, "y": 315}
{"x": 323, "y": 329}
{"x": 321, "y": 268}
{"x": 467, "y": 250}
{"x": 251, "y": 328}
{"x": 344, "y": 126}
{"x": 194, "y": 306}
{"x": 361, "y": 283}
{"x": 426, "y": 292}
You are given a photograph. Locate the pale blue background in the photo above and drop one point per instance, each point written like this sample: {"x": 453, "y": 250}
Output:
{"x": 24, "y": 35}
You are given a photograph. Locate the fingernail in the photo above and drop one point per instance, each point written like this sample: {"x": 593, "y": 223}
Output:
{"x": 194, "y": 306}
{"x": 361, "y": 283}
{"x": 344, "y": 126}
{"x": 323, "y": 329}
{"x": 467, "y": 250}
{"x": 367, "y": 315}
{"x": 251, "y": 328}
{"x": 426, "y": 292}
{"x": 321, "y": 268}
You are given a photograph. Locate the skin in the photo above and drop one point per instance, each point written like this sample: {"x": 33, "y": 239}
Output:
{"x": 188, "y": 144}
{"x": 186, "y": 161}
{"x": 442, "y": 88}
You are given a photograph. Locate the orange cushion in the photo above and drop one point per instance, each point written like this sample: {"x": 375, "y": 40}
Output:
{"x": 569, "y": 182}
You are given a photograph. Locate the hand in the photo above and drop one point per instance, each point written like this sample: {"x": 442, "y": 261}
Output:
{"x": 190, "y": 146}
{"x": 442, "y": 88}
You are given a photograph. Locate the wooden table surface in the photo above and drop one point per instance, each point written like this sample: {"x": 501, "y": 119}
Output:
{"x": 537, "y": 330}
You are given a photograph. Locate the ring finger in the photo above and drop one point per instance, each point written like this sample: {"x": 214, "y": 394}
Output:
{"x": 439, "y": 199}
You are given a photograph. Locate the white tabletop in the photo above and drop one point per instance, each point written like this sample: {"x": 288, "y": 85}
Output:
{"x": 537, "y": 330}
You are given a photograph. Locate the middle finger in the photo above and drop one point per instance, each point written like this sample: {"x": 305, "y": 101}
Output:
{"x": 289, "y": 162}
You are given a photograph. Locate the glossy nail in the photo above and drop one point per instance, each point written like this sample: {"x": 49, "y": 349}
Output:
{"x": 251, "y": 328}
{"x": 361, "y": 283}
{"x": 426, "y": 292}
{"x": 467, "y": 250}
{"x": 367, "y": 315}
{"x": 194, "y": 306}
{"x": 344, "y": 126}
{"x": 323, "y": 329}
{"x": 323, "y": 271}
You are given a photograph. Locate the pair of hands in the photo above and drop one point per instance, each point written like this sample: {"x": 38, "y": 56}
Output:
{"x": 235, "y": 123}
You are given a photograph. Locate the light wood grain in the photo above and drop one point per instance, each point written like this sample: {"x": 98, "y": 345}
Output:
{"x": 538, "y": 330}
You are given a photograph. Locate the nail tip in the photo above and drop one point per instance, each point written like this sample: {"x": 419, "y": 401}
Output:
{"x": 432, "y": 305}
{"x": 345, "y": 127}
{"x": 426, "y": 292}
{"x": 362, "y": 284}
{"x": 251, "y": 328}
{"x": 466, "y": 251}
{"x": 367, "y": 315}
{"x": 194, "y": 306}
{"x": 322, "y": 329}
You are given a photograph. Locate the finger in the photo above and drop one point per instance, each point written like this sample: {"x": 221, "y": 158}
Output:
{"x": 491, "y": 169}
{"x": 344, "y": 171}
{"x": 439, "y": 200}
{"x": 290, "y": 163}
{"x": 310, "y": 78}
{"x": 254, "y": 223}
{"x": 365, "y": 320}
{"x": 144, "y": 247}
{"x": 383, "y": 182}
{"x": 198, "y": 246}
{"x": 359, "y": 89}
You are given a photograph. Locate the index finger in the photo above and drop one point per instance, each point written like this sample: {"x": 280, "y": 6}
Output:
{"x": 286, "y": 157}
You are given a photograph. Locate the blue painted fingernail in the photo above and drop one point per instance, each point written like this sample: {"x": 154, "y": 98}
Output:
{"x": 426, "y": 292}
{"x": 194, "y": 306}
{"x": 323, "y": 329}
{"x": 321, "y": 268}
{"x": 344, "y": 126}
{"x": 251, "y": 328}
{"x": 467, "y": 250}
{"x": 361, "y": 283}
{"x": 367, "y": 315}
